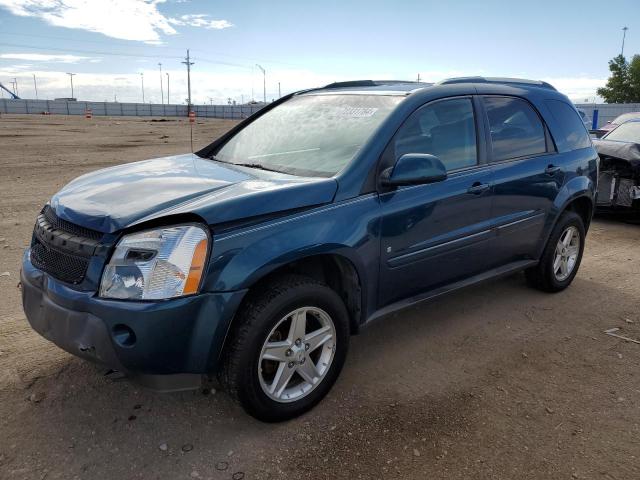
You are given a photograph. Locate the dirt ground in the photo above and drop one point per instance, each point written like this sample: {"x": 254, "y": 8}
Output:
{"x": 495, "y": 382}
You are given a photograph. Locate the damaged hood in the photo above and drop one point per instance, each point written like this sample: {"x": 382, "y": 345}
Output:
{"x": 628, "y": 151}
{"x": 114, "y": 198}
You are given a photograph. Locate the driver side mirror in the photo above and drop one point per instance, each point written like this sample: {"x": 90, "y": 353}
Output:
{"x": 414, "y": 169}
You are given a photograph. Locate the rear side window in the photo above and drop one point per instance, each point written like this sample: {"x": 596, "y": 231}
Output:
{"x": 571, "y": 126}
{"x": 445, "y": 129}
{"x": 516, "y": 129}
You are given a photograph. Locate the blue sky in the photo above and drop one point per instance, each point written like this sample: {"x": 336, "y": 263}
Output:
{"x": 108, "y": 44}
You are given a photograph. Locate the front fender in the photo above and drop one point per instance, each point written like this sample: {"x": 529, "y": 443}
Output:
{"x": 348, "y": 229}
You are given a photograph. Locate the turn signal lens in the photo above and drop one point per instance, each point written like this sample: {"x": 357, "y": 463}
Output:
{"x": 196, "y": 269}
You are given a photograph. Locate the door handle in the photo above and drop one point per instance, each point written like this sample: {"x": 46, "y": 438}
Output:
{"x": 477, "y": 188}
{"x": 552, "y": 170}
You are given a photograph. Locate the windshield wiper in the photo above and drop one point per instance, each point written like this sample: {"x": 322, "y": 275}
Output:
{"x": 256, "y": 165}
{"x": 248, "y": 165}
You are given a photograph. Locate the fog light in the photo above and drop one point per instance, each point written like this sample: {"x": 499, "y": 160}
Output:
{"x": 124, "y": 336}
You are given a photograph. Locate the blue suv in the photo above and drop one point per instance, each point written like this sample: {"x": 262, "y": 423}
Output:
{"x": 257, "y": 257}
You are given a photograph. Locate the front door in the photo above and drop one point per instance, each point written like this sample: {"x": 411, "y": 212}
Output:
{"x": 435, "y": 234}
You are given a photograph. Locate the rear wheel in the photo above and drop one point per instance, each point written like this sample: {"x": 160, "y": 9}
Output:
{"x": 287, "y": 349}
{"x": 561, "y": 257}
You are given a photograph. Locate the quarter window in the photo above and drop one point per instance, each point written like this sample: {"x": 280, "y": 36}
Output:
{"x": 516, "y": 129}
{"x": 445, "y": 129}
{"x": 570, "y": 125}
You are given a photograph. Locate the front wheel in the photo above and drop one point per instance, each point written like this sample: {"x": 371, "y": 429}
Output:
{"x": 287, "y": 348}
{"x": 561, "y": 257}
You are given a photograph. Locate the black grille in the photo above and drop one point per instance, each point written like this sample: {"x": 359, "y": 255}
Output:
{"x": 68, "y": 227}
{"x": 63, "y": 249}
{"x": 63, "y": 266}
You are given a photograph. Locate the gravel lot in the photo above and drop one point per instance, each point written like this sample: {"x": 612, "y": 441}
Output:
{"x": 498, "y": 381}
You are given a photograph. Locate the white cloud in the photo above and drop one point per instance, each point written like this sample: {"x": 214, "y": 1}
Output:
{"x": 200, "y": 20}
{"x": 138, "y": 20}
{"x": 42, "y": 57}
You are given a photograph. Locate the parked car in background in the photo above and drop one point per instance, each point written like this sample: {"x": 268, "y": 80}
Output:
{"x": 619, "y": 120}
{"x": 619, "y": 178}
{"x": 257, "y": 257}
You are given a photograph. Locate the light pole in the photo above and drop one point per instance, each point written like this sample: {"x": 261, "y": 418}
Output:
{"x": 15, "y": 85}
{"x": 188, "y": 63}
{"x": 279, "y": 91}
{"x": 161, "y": 90}
{"x": 71, "y": 78}
{"x": 168, "y": 102}
{"x": 142, "y": 81}
{"x": 624, "y": 34}
{"x": 264, "y": 84}
{"x": 35, "y": 85}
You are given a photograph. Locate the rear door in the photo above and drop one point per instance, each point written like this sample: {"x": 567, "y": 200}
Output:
{"x": 434, "y": 234}
{"x": 528, "y": 175}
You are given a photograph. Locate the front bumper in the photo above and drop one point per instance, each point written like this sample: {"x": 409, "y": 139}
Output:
{"x": 177, "y": 336}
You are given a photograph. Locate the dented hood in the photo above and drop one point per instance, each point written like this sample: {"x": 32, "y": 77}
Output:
{"x": 114, "y": 198}
{"x": 628, "y": 151}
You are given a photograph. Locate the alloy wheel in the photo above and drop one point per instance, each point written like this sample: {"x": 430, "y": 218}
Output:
{"x": 566, "y": 253}
{"x": 297, "y": 354}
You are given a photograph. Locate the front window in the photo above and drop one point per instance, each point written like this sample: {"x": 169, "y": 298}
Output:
{"x": 627, "y": 132}
{"x": 309, "y": 135}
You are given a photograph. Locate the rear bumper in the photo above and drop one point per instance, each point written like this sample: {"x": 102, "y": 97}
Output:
{"x": 178, "y": 336}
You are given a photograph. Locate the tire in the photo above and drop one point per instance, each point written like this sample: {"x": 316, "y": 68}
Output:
{"x": 268, "y": 316}
{"x": 544, "y": 276}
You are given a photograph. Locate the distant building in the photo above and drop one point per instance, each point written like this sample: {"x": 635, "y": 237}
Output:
{"x": 69, "y": 99}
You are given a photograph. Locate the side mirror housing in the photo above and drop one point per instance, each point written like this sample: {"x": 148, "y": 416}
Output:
{"x": 414, "y": 169}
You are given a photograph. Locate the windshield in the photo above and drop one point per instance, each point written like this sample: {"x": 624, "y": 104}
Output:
{"x": 627, "y": 132}
{"x": 309, "y": 135}
{"x": 625, "y": 117}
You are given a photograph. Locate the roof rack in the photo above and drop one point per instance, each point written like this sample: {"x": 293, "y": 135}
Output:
{"x": 502, "y": 80}
{"x": 370, "y": 83}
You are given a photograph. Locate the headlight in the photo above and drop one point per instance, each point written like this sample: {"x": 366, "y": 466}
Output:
{"x": 156, "y": 264}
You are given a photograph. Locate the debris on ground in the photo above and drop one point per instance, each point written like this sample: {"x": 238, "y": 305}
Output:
{"x": 36, "y": 397}
{"x": 187, "y": 447}
{"x": 612, "y": 332}
{"x": 5, "y": 274}
{"x": 163, "y": 446}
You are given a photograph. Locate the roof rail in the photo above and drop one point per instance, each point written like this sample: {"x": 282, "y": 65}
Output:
{"x": 502, "y": 80}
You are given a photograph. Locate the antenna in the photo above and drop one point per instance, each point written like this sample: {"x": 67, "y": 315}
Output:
{"x": 188, "y": 63}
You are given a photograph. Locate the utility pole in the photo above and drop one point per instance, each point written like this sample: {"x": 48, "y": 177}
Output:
{"x": 624, "y": 34}
{"x": 15, "y": 85}
{"x": 418, "y": 77}
{"x": 142, "y": 81}
{"x": 35, "y": 85}
{"x": 168, "y": 102}
{"x": 279, "y": 91}
{"x": 264, "y": 84}
{"x": 71, "y": 75}
{"x": 188, "y": 63}
{"x": 161, "y": 90}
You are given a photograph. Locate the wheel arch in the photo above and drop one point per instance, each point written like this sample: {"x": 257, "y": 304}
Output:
{"x": 337, "y": 270}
